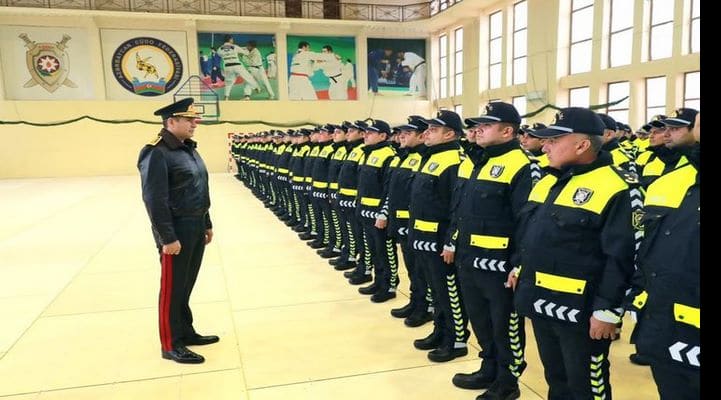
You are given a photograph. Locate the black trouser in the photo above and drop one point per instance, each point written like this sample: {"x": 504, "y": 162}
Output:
{"x": 311, "y": 214}
{"x": 576, "y": 367}
{"x": 382, "y": 251}
{"x": 449, "y": 316}
{"x": 339, "y": 236}
{"x": 321, "y": 208}
{"x": 676, "y": 383}
{"x": 177, "y": 278}
{"x": 497, "y": 326}
{"x": 418, "y": 283}
{"x": 352, "y": 228}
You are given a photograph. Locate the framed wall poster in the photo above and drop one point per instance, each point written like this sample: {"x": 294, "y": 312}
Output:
{"x": 321, "y": 68}
{"x": 46, "y": 63}
{"x": 239, "y": 66}
{"x": 397, "y": 67}
{"x": 143, "y": 64}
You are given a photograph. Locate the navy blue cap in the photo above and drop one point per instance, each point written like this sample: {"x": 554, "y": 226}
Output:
{"x": 573, "y": 119}
{"x": 537, "y": 126}
{"x": 682, "y": 117}
{"x": 181, "y": 108}
{"x": 380, "y": 127}
{"x": 290, "y": 132}
{"x": 644, "y": 129}
{"x": 415, "y": 123}
{"x": 498, "y": 111}
{"x": 304, "y": 132}
{"x": 448, "y": 119}
{"x": 657, "y": 121}
{"x": 362, "y": 125}
{"x": 610, "y": 123}
{"x": 328, "y": 128}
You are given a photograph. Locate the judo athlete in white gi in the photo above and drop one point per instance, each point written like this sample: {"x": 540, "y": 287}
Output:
{"x": 230, "y": 52}
{"x": 417, "y": 85}
{"x": 254, "y": 61}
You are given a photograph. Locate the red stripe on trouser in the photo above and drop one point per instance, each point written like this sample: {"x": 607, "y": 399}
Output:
{"x": 166, "y": 290}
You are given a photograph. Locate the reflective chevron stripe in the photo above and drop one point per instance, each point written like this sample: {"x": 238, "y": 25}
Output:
{"x": 311, "y": 215}
{"x": 336, "y": 229}
{"x": 598, "y": 384}
{"x": 368, "y": 214}
{"x": 456, "y": 310}
{"x": 536, "y": 173}
{"x": 562, "y": 312}
{"x": 685, "y": 353}
{"x": 424, "y": 245}
{"x": 351, "y": 241}
{"x": 392, "y": 262}
{"x": 367, "y": 255}
{"x": 403, "y": 231}
{"x": 516, "y": 344}
{"x": 489, "y": 264}
{"x": 326, "y": 229}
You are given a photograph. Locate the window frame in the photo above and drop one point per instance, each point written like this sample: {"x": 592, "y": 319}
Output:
{"x": 517, "y": 31}
{"x": 570, "y": 38}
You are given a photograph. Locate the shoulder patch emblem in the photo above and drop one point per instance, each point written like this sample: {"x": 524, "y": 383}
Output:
{"x": 582, "y": 196}
{"x": 155, "y": 140}
{"x": 637, "y": 220}
{"x": 497, "y": 170}
{"x": 412, "y": 162}
{"x": 432, "y": 166}
{"x": 373, "y": 161}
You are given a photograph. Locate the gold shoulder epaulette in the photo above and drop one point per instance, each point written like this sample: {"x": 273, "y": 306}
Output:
{"x": 155, "y": 140}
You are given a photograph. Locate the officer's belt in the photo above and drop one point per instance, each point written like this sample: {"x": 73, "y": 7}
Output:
{"x": 370, "y": 201}
{"x": 348, "y": 192}
{"x": 418, "y": 65}
{"x": 297, "y": 74}
{"x": 255, "y": 66}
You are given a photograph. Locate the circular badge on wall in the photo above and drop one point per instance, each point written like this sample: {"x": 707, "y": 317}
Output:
{"x": 147, "y": 66}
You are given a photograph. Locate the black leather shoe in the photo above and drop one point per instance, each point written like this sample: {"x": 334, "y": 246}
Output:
{"x": 315, "y": 244}
{"x": 328, "y": 253}
{"x": 443, "y": 354}
{"x": 418, "y": 319}
{"x": 199, "y": 340}
{"x": 182, "y": 355}
{"x": 475, "y": 380}
{"x": 299, "y": 228}
{"x": 501, "y": 391}
{"x": 344, "y": 265}
{"x": 307, "y": 236}
{"x": 403, "y": 312}
{"x": 349, "y": 274}
{"x": 638, "y": 359}
{"x": 382, "y": 296}
{"x": 335, "y": 261}
{"x": 429, "y": 342}
{"x": 360, "y": 279}
{"x": 370, "y": 289}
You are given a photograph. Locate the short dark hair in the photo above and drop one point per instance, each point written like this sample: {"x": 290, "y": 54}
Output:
{"x": 596, "y": 142}
{"x": 227, "y": 38}
{"x": 516, "y": 127}
{"x": 328, "y": 47}
{"x": 303, "y": 44}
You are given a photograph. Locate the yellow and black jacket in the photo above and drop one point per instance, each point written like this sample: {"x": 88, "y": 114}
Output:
{"x": 657, "y": 161}
{"x": 399, "y": 190}
{"x": 669, "y": 260}
{"x": 431, "y": 194}
{"x": 319, "y": 169}
{"x": 621, "y": 157}
{"x": 348, "y": 174}
{"x": 297, "y": 165}
{"x": 372, "y": 177}
{"x": 576, "y": 244}
{"x": 336, "y": 160}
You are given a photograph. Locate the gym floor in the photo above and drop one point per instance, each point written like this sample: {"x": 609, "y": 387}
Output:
{"x": 78, "y": 305}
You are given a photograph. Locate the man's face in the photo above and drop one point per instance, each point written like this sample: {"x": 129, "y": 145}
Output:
{"x": 564, "y": 150}
{"x": 182, "y": 127}
{"x": 490, "y": 134}
{"x": 388, "y": 52}
{"x": 697, "y": 128}
{"x": 305, "y": 48}
{"x": 324, "y": 136}
{"x": 530, "y": 143}
{"x": 324, "y": 51}
{"x": 678, "y": 136}
{"x": 338, "y": 135}
{"x": 373, "y": 137}
{"x": 354, "y": 134}
{"x": 437, "y": 134}
{"x": 471, "y": 134}
{"x": 411, "y": 138}
{"x": 657, "y": 136}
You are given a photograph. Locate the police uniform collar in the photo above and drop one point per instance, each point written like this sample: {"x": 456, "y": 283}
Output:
{"x": 417, "y": 149}
{"x": 604, "y": 158}
{"x": 370, "y": 147}
{"x": 502, "y": 148}
{"x": 610, "y": 145}
{"x": 452, "y": 145}
{"x": 337, "y": 145}
{"x": 329, "y": 141}
{"x": 173, "y": 142}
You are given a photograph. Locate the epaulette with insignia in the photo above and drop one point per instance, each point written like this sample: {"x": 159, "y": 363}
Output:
{"x": 627, "y": 176}
{"x": 155, "y": 140}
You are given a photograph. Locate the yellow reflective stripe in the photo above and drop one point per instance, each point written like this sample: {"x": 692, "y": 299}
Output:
{"x": 640, "y": 300}
{"x": 309, "y": 179}
{"x": 282, "y": 170}
{"x": 687, "y": 314}
{"x": 542, "y": 188}
{"x": 349, "y": 192}
{"x": 591, "y": 191}
{"x": 489, "y": 242}
{"x": 298, "y": 179}
{"x": 670, "y": 189}
{"x": 405, "y": 214}
{"x": 425, "y": 226}
{"x": 560, "y": 283}
{"x": 370, "y": 201}
{"x": 320, "y": 185}
{"x": 334, "y": 185}
{"x": 518, "y": 271}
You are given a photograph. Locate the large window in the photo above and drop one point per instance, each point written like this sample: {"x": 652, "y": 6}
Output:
{"x": 458, "y": 108}
{"x": 661, "y": 38}
{"x": 695, "y": 26}
{"x": 692, "y": 90}
{"x": 616, "y": 92}
{"x": 443, "y": 66}
{"x": 495, "y": 50}
{"x": 581, "y": 35}
{"x": 520, "y": 37}
{"x": 621, "y": 36}
{"x": 579, "y": 97}
{"x": 458, "y": 62}
{"x": 655, "y": 96}
{"x": 520, "y": 104}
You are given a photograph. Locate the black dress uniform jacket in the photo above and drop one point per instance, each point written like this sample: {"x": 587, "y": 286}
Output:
{"x": 576, "y": 244}
{"x": 372, "y": 177}
{"x": 399, "y": 190}
{"x": 174, "y": 184}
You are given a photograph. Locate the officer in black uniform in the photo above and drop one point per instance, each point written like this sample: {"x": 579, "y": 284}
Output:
{"x": 575, "y": 253}
{"x": 533, "y": 144}
{"x": 670, "y": 326}
{"x": 175, "y": 192}
{"x": 485, "y": 219}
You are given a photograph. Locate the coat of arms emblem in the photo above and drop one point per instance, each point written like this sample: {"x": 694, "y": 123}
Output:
{"x": 497, "y": 170}
{"x": 47, "y": 64}
{"x": 582, "y": 196}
